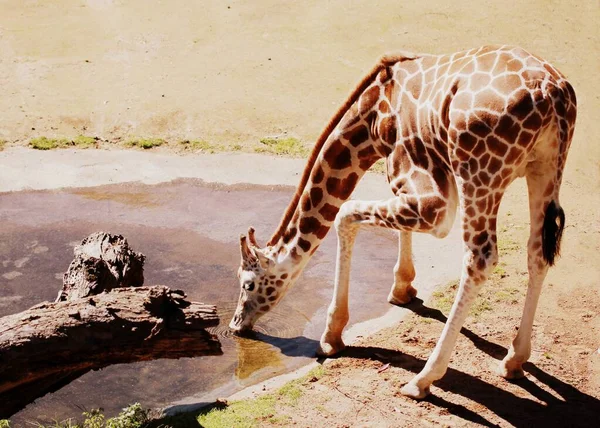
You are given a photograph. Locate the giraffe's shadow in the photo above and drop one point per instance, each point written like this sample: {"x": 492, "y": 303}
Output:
{"x": 573, "y": 408}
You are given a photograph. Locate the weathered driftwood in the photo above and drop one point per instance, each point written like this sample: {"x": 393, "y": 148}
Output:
{"x": 49, "y": 345}
{"x": 102, "y": 262}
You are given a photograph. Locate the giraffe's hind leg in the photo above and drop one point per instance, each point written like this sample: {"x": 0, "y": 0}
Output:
{"x": 402, "y": 291}
{"x": 542, "y": 184}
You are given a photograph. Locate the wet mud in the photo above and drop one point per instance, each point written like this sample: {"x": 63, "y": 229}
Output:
{"x": 189, "y": 232}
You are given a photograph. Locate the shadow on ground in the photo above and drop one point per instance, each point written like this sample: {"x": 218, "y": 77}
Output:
{"x": 573, "y": 408}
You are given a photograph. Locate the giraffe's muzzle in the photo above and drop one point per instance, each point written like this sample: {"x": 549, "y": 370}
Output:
{"x": 238, "y": 326}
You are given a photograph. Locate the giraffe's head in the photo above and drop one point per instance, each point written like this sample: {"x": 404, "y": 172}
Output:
{"x": 262, "y": 281}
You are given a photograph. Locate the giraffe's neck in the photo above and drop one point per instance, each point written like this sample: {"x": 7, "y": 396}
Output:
{"x": 362, "y": 131}
{"x": 335, "y": 174}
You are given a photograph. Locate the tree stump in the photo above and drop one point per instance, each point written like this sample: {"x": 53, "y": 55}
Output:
{"x": 102, "y": 262}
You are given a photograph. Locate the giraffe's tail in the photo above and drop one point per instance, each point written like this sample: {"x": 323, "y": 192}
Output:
{"x": 552, "y": 230}
{"x": 564, "y": 106}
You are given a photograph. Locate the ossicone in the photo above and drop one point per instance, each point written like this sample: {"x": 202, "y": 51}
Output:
{"x": 244, "y": 248}
{"x": 252, "y": 237}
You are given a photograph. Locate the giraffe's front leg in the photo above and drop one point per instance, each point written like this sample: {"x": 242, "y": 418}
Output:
{"x": 402, "y": 291}
{"x": 337, "y": 315}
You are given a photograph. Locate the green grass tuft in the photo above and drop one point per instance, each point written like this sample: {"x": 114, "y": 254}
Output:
{"x": 256, "y": 412}
{"x": 499, "y": 270}
{"x": 507, "y": 294}
{"x": 291, "y": 392}
{"x": 507, "y": 246}
{"x": 244, "y": 413}
{"x": 202, "y": 146}
{"x": 146, "y": 143}
{"x": 315, "y": 374}
{"x": 481, "y": 305}
{"x": 283, "y": 146}
{"x": 379, "y": 167}
{"x": 444, "y": 298}
{"x": 44, "y": 143}
{"x": 84, "y": 142}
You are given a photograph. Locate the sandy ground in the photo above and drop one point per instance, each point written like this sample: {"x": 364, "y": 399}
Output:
{"x": 238, "y": 71}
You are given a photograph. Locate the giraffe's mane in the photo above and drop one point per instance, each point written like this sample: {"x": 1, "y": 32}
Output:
{"x": 384, "y": 62}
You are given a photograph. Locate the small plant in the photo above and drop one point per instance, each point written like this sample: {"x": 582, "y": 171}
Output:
{"x": 507, "y": 246}
{"x": 2, "y": 144}
{"x": 44, "y": 143}
{"x": 443, "y": 298}
{"x": 315, "y": 374}
{"x": 244, "y": 413}
{"x": 379, "y": 167}
{"x": 282, "y": 146}
{"x": 290, "y": 392}
{"x": 201, "y": 146}
{"x": 4, "y": 423}
{"x": 133, "y": 416}
{"x": 508, "y": 294}
{"x": 84, "y": 142}
{"x": 481, "y": 305}
{"x": 146, "y": 143}
{"x": 499, "y": 270}
{"x": 255, "y": 412}
{"x": 93, "y": 419}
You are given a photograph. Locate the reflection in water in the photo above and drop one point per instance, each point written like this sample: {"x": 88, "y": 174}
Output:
{"x": 253, "y": 355}
{"x": 188, "y": 231}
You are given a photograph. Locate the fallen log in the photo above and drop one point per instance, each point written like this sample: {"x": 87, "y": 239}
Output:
{"x": 49, "y": 345}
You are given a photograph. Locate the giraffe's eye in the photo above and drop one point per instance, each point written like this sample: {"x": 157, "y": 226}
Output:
{"x": 249, "y": 286}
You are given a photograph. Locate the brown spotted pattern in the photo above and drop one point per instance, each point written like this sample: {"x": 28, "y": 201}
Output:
{"x": 455, "y": 131}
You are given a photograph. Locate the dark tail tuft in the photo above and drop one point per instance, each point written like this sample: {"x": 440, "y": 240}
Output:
{"x": 554, "y": 223}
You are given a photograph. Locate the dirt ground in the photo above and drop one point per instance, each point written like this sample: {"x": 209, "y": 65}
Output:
{"x": 235, "y": 72}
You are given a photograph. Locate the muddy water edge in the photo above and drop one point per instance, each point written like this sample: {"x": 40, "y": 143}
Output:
{"x": 189, "y": 232}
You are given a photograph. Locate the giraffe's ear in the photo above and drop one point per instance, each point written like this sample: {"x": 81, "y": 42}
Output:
{"x": 265, "y": 261}
{"x": 252, "y": 237}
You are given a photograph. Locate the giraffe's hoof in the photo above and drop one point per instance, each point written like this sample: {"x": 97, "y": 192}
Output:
{"x": 412, "y": 390}
{"x": 510, "y": 371}
{"x": 330, "y": 347}
{"x": 402, "y": 298}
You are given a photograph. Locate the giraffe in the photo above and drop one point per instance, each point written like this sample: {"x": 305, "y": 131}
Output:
{"x": 455, "y": 130}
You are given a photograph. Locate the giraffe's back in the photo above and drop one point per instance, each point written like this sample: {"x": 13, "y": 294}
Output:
{"x": 483, "y": 109}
